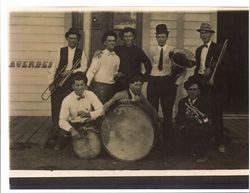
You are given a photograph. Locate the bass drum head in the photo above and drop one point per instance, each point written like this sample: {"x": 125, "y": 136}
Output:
{"x": 127, "y": 133}
{"x": 88, "y": 146}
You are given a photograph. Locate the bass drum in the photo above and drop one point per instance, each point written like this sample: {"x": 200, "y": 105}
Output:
{"x": 127, "y": 133}
{"x": 88, "y": 146}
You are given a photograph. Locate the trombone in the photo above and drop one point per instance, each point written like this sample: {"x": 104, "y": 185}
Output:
{"x": 59, "y": 81}
{"x": 199, "y": 116}
{"x": 211, "y": 79}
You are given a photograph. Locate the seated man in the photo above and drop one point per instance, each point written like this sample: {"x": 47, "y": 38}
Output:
{"x": 134, "y": 95}
{"x": 78, "y": 107}
{"x": 192, "y": 120}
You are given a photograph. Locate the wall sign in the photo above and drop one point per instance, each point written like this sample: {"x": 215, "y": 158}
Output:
{"x": 30, "y": 64}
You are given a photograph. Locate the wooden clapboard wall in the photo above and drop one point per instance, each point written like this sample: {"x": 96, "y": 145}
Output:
{"x": 32, "y": 37}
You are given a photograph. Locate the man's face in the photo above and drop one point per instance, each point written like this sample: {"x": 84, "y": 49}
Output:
{"x": 110, "y": 43}
{"x": 136, "y": 87}
{"x": 161, "y": 39}
{"x": 206, "y": 36}
{"x": 193, "y": 91}
{"x": 72, "y": 40}
{"x": 79, "y": 87}
{"x": 128, "y": 38}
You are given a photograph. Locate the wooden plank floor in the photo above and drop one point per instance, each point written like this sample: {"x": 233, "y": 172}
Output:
{"x": 34, "y": 130}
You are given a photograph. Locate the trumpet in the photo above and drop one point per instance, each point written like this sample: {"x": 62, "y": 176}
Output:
{"x": 59, "y": 81}
{"x": 199, "y": 116}
{"x": 211, "y": 79}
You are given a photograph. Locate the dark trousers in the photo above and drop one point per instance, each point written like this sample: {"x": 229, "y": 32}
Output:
{"x": 162, "y": 90}
{"x": 195, "y": 138}
{"x": 216, "y": 103}
{"x": 103, "y": 91}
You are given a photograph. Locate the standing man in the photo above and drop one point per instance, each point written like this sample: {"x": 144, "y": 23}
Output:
{"x": 67, "y": 58}
{"x": 79, "y": 107}
{"x": 206, "y": 57}
{"x": 161, "y": 85}
{"x": 131, "y": 57}
{"x": 104, "y": 70}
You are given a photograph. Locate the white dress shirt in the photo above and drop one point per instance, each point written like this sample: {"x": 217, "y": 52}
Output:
{"x": 204, "y": 52}
{"x": 71, "y": 53}
{"x": 104, "y": 69}
{"x": 71, "y": 106}
{"x": 154, "y": 56}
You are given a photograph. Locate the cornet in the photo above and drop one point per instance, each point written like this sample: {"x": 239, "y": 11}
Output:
{"x": 199, "y": 116}
{"x": 59, "y": 81}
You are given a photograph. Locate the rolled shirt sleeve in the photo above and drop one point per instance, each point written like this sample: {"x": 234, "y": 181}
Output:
{"x": 64, "y": 116}
{"x": 95, "y": 64}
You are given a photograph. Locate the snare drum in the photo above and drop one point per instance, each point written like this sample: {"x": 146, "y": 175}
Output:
{"x": 127, "y": 132}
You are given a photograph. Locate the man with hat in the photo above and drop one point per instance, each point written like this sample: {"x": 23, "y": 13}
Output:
{"x": 206, "y": 57}
{"x": 192, "y": 120}
{"x": 161, "y": 85}
{"x": 67, "y": 57}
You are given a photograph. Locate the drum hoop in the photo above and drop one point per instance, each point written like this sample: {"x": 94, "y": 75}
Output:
{"x": 140, "y": 109}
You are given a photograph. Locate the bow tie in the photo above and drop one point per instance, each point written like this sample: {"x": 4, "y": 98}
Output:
{"x": 204, "y": 45}
{"x": 80, "y": 97}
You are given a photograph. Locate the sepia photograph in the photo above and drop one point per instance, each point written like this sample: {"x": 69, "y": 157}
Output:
{"x": 128, "y": 92}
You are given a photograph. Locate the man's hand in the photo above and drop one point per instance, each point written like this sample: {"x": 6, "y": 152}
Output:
{"x": 136, "y": 98}
{"x": 65, "y": 73}
{"x": 207, "y": 72}
{"x": 74, "y": 133}
{"x": 118, "y": 76}
{"x": 83, "y": 114}
{"x": 125, "y": 101}
{"x": 51, "y": 87}
{"x": 97, "y": 54}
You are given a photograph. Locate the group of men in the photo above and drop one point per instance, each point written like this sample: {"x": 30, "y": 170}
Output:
{"x": 114, "y": 76}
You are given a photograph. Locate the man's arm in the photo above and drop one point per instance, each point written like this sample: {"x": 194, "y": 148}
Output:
{"x": 64, "y": 116}
{"x": 147, "y": 64}
{"x": 94, "y": 67}
{"x": 98, "y": 106}
{"x": 117, "y": 97}
{"x": 52, "y": 70}
{"x": 84, "y": 62}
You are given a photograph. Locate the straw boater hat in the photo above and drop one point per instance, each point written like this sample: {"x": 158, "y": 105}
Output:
{"x": 73, "y": 31}
{"x": 205, "y": 27}
{"x": 161, "y": 29}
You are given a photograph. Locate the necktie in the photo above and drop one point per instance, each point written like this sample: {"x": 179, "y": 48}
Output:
{"x": 80, "y": 97}
{"x": 160, "y": 66}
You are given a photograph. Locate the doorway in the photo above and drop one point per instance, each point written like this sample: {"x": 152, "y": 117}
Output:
{"x": 233, "y": 25}
{"x": 116, "y": 21}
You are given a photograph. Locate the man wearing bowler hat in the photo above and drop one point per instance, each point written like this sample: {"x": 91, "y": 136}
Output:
{"x": 67, "y": 58}
{"x": 206, "y": 57}
{"x": 161, "y": 85}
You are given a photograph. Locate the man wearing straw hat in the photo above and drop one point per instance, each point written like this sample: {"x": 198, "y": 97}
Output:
{"x": 66, "y": 58}
{"x": 207, "y": 56}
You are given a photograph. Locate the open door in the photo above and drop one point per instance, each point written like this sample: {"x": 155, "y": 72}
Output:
{"x": 103, "y": 21}
{"x": 234, "y": 26}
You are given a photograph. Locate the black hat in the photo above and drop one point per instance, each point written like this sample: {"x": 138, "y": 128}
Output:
{"x": 73, "y": 31}
{"x": 161, "y": 29}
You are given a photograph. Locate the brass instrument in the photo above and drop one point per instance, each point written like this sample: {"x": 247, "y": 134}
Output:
{"x": 211, "y": 79}
{"x": 58, "y": 82}
{"x": 199, "y": 116}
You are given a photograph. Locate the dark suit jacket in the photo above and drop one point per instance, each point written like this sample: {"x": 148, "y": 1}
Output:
{"x": 181, "y": 117}
{"x": 223, "y": 69}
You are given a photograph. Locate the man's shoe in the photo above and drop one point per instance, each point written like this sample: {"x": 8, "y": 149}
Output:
{"x": 201, "y": 160}
{"x": 221, "y": 148}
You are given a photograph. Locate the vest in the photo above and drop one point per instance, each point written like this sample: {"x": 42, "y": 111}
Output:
{"x": 64, "y": 59}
